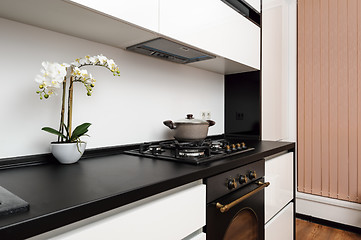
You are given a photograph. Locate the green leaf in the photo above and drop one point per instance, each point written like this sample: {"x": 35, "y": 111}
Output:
{"x": 53, "y": 131}
{"x": 79, "y": 131}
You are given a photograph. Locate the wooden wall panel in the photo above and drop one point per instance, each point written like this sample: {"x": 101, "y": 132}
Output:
{"x": 329, "y": 98}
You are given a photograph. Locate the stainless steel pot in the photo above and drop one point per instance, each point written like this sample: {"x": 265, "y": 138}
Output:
{"x": 189, "y": 129}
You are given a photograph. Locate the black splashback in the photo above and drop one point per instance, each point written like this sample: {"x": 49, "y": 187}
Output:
{"x": 243, "y": 105}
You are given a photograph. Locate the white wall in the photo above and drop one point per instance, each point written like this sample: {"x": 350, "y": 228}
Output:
{"x": 279, "y": 70}
{"x": 125, "y": 109}
{"x": 334, "y": 210}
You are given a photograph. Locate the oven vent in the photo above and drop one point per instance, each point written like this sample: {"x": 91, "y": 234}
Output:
{"x": 169, "y": 50}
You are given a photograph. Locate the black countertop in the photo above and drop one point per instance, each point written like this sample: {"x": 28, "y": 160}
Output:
{"x": 62, "y": 194}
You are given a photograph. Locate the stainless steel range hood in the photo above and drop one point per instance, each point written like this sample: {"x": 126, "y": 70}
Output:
{"x": 168, "y": 50}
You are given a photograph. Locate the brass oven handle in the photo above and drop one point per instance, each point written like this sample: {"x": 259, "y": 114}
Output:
{"x": 225, "y": 208}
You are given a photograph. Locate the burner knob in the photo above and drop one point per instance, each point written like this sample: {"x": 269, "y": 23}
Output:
{"x": 228, "y": 149}
{"x": 242, "y": 179}
{"x": 252, "y": 175}
{"x": 238, "y": 146}
{"x": 231, "y": 184}
{"x": 243, "y": 145}
{"x": 233, "y": 147}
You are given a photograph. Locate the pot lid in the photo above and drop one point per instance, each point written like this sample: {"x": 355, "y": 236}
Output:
{"x": 191, "y": 120}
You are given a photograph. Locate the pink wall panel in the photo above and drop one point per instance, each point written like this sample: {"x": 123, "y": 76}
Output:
{"x": 316, "y": 100}
{"x": 342, "y": 104}
{"x": 308, "y": 95}
{"x": 358, "y": 103}
{"x": 324, "y": 89}
{"x": 301, "y": 99}
{"x": 352, "y": 97}
{"x": 333, "y": 98}
{"x": 329, "y": 98}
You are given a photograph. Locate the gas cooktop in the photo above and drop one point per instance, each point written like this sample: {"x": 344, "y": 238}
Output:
{"x": 191, "y": 152}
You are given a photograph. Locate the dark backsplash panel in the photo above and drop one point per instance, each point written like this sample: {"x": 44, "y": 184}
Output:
{"x": 243, "y": 105}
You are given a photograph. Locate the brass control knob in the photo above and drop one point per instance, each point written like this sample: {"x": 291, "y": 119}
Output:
{"x": 238, "y": 146}
{"x": 242, "y": 179}
{"x": 231, "y": 184}
{"x": 233, "y": 147}
{"x": 252, "y": 175}
{"x": 243, "y": 145}
{"x": 228, "y": 148}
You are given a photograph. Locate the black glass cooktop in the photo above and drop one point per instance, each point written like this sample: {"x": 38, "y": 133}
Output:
{"x": 191, "y": 152}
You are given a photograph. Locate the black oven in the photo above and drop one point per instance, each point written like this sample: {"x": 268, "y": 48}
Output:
{"x": 235, "y": 204}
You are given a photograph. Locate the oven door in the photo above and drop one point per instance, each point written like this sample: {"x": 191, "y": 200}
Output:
{"x": 238, "y": 215}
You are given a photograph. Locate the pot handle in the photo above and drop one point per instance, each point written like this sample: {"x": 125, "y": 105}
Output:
{"x": 169, "y": 124}
{"x": 211, "y": 123}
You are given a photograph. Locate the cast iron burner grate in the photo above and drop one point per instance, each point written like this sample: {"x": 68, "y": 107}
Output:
{"x": 190, "y": 152}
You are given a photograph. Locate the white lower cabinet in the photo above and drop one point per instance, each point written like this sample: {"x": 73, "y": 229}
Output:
{"x": 279, "y": 211}
{"x": 279, "y": 172}
{"x": 281, "y": 226}
{"x": 176, "y": 214}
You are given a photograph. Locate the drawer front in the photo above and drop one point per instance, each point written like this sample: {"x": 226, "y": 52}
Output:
{"x": 279, "y": 172}
{"x": 174, "y": 214}
{"x": 281, "y": 226}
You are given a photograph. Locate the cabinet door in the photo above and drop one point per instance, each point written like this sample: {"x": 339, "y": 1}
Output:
{"x": 256, "y": 4}
{"x": 171, "y": 215}
{"x": 279, "y": 172}
{"x": 281, "y": 226}
{"x": 199, "y": 236}
{"x": 143, "y": 13}
{"x": 212, "y": 26}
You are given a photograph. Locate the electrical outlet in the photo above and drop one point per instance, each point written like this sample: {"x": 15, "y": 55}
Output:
{"x": 206, "y": 115}
{"x": 239, "y": 116}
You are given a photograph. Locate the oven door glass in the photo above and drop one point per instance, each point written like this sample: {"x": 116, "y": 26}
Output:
{"x": 243, "y": 226}
{"x": 243, "y": 221}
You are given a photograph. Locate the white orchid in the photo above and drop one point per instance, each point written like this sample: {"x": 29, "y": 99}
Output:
{"x": 102, "y": 59}
{"x": 53, "y": 76}
{"x": 79, "y": 73}
{"x": 111, "y": 64}
{"x": 98, "y": 60}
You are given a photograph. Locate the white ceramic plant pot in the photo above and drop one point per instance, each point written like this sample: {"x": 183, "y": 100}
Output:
{"x": 67, "y": 153}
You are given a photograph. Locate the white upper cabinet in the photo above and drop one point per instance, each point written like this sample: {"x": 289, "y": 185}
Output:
{"x": 76, "y": 20}
{"x": 143, "y": 13}
{"x": 210, "y": 26}
{"x": 256, "y": 4}
{"x": 213, "y": 26}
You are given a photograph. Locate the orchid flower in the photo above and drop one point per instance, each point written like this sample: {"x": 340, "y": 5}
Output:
{"x": 53, "y": 76}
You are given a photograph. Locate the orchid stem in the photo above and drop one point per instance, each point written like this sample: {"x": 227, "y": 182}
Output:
{"x": 61, "y": 127}
{"x": 70, "y": 105}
